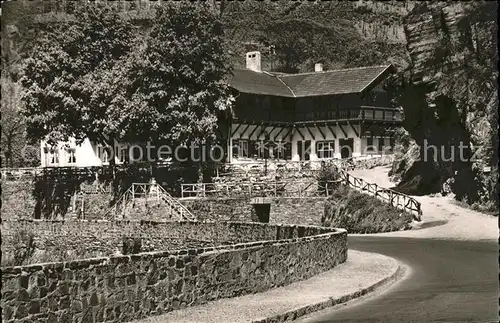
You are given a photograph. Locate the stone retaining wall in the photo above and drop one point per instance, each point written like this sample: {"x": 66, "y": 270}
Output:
{"x": 107, "y": 237}
{"x": 123, "y": 288}
{"x": 284, "y": 210}
{"x": 296, "y": 210}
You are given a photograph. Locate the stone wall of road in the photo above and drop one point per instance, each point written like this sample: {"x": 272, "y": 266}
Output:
{"x": 123, "y": 288}
{"x": 107, "y": 237}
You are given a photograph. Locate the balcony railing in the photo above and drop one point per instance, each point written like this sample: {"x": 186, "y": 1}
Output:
{"x": 361, "y": 113}
{"x": 355, "y": 113}
{"x": 378, "y": 113}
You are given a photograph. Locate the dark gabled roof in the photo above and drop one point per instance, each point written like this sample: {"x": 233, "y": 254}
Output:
{"x": 353, "y": 80}
{"x": 248, "y": 81}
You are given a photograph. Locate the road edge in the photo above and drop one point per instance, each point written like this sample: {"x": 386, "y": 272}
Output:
{"x": 308, "y": 309}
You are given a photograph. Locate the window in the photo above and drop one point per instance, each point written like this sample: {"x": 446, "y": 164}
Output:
{"x": 288, "y": 151}
{"x": 138, "y": 153}
{"x": 380, "y": 144}
{"x": 240, "y": 148}
{"x": 369, "y": 145}
{"x": 54, "y": 156}
{"x": 124, "y": 157}
{"x": 265, "y": 106}
{"x": 105, "y": 156}
{"x": 261, "y": 147}
{"x": 104, "y": 153}
{"x": 71, "y": 156}
{"x": 281, "y": 149}
{"x": 325, "y": 149}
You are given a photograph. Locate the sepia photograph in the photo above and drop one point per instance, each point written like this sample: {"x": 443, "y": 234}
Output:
{"x": 249, "y": 161}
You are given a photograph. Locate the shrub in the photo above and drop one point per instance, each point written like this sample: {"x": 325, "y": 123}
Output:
{"x": 131, "y": 245}
{"x": 17, "y": 201}
{"x": 327, "y": 173}
{"x": 24, "y": 247}
{"x": 361, "y": 213}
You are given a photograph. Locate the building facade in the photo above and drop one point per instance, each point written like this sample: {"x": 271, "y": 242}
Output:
{"x": 308, "y": 116}
{"x": 311, "y": 116}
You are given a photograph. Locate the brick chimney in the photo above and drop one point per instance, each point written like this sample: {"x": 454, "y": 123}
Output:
{"x": 253, "y": 61}
{"x": 318, "y": 67}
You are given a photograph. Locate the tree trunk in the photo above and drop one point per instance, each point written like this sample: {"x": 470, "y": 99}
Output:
{"x": 8, "y": 154}
{"x": 114, "y": 181}
{"x": 200, "y": 172}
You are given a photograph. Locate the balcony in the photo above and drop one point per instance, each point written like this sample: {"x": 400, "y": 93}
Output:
{"x": 361, "y": 113}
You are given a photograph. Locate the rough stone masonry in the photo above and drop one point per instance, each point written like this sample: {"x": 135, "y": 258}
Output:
{"x": 123, "y": 288}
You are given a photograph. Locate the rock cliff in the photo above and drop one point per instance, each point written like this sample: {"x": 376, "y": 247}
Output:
{"x": 449, "y": 95}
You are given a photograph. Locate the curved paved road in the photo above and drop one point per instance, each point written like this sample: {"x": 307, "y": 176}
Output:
{"x": 450, "y": 281}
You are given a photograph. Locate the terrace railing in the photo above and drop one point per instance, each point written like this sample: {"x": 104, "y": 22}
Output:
{"x": 154, "y": 193}
{"x": 258, "y": 189}
{"x": 313, "y": 188}
{"x": 18, "y": 173}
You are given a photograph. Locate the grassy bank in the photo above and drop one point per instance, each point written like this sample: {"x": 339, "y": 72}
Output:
{"x": 361, "y": 213}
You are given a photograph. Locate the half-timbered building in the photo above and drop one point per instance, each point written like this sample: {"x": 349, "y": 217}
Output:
{"x": 310, "y": 116}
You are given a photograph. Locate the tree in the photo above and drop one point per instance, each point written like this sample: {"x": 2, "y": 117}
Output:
{"x": 94, "y": 77}
{"x": 15, "y": 39}
{"x": 177, "y": 78}
{"x": 13, "y": 123}
{"x": 57, "y": 71}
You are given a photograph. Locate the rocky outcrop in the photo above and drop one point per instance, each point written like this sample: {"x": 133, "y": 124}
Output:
{"x": 424, "y": 26}
{"x": 449, "y": 96}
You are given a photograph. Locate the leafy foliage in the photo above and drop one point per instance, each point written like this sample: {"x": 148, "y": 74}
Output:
{"x": 15, "y": 151}
{"x": 95, "y": 77}
{"x": 294, "y": 36}
{"x": 178, "y": 76}
{"x": 24, "y": 247}
{"x": 131, "y": 245}
{"x": 59, "y": 75}
{"x": 361, "y": 213}
{"x": 297, "y": 41}
{"x": 327, "y": 173}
